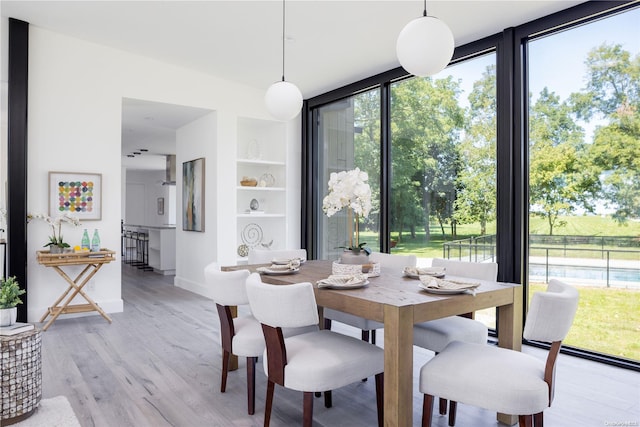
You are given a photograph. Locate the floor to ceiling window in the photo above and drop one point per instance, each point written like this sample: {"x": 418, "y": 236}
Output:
{"x": 349, "y": 136}
{"x": 443, "y": 164}
{"x": 464, "y": 166}
{"x": 584, "y": 176}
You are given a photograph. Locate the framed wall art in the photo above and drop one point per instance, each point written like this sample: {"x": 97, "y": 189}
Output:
{"x": 160, "y": 205}
{"x": 193, "y": 195}
{"x": 76, "y": 193}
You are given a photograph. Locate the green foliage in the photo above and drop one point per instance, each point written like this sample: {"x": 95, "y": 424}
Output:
{"x": 476, "y": 180}
{"x": 613, "y": 92}
{"x": 425, "y": 127}
{"x": 10, "y": 292}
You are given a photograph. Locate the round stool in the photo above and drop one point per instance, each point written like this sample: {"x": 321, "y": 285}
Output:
{"x": 20, "y": 376}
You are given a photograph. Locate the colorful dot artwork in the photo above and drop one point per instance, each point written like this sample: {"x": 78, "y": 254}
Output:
{"x": 75, "y": 196}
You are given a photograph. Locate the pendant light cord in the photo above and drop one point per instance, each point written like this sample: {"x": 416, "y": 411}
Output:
{"x": 283, "y": 18}
{"x": 425, "y": 8}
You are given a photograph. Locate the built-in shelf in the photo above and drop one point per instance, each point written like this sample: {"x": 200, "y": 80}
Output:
{"x": 261, "y": 156}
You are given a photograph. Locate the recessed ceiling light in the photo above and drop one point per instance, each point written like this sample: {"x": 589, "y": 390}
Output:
{"x": 137, "y": 152}
{"x": 144, "y": 150}
{"x": 130, "y": 155}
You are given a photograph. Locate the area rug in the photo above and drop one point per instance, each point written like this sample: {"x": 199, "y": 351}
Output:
{"x": 53, "y": 412}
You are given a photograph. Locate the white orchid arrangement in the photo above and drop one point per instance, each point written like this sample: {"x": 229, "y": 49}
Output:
{"x": 56, "y": 226}
{"x": 349, "y": 189}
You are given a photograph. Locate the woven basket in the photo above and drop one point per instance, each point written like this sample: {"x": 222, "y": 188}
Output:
{"x": 249, "y": 182}
{"x": 373, "y": 268}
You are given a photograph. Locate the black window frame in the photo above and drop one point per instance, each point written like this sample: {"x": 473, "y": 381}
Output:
{"x": 512, "y": 227}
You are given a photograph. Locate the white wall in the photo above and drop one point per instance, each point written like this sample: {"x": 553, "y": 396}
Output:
{"x": 146, "y": 207}
{"x": 75, "y": 98}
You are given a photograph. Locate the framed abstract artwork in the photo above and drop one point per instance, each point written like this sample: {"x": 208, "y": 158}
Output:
{"x": 193, "y": 195}
{"x": 160, "y": 205}
{"x": 78, "y": 194}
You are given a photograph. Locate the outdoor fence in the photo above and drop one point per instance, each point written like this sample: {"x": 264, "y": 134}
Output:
{"x": 606, "y": 259}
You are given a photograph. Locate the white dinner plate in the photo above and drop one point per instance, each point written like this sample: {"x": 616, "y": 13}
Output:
{"x": 270, "y": 272}
{"x": 343, "y": 286}
{"x": 285, "y": 261}
{"x": 437, "y": 272}
{"x": 464, "y": 287}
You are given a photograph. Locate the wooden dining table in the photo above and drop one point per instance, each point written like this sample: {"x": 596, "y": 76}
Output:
{"x": 399, "y": 303}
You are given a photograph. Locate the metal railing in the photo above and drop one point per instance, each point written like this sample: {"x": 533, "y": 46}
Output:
{"x": 483, "y": 248}
{"x": 474, "y": 249}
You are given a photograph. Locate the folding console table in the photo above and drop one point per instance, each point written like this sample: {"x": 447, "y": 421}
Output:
{"x": 92, "y": 261}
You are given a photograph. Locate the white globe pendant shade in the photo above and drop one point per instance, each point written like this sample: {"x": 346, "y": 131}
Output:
{"x": 425, "y": 46}
{"x": 284, "y": 100}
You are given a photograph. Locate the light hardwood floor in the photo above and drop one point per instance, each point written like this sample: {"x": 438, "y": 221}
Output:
{"x": 158, "y": 364}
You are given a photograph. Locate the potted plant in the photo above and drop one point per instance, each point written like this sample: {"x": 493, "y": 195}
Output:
{"x": 56, "y": 242}
{"x": 349, "y": 189}
{"x": 9, "y": 298}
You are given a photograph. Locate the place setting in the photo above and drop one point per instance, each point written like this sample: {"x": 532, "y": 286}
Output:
{"x": 416, "y": 272}
{"x": 280, "y": 267}
{"x": 344, "y": 281}
{"x": 436, "y": 285}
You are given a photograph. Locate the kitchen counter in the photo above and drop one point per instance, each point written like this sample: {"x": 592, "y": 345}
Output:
{"x": 162, "y": 246}
{"x": 151, "y": 227}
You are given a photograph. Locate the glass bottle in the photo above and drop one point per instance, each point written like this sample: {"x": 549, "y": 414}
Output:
{"x": 85, "y": 244}
{"x": 95, "y": 241}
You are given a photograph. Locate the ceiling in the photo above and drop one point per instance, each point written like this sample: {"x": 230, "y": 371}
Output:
{"x": 329, "y": 43}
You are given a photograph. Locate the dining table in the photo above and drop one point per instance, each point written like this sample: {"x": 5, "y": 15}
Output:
{"x": 398, "y": 302}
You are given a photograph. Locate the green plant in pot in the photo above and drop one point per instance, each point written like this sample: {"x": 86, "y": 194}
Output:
{"x": 349, "y": 189}
{"x": 56, "y": 242}
{"x": 9, "y": 298}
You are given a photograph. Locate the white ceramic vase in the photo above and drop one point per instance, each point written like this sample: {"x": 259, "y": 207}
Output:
{"x": 8, "y": 316}
{"x": 349, "y": 257}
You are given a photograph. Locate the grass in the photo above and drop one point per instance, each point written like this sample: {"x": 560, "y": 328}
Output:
{"x": 608, "y": 319}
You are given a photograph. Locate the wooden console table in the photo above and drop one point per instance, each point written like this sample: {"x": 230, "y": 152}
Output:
{"x": 92, "y": 261}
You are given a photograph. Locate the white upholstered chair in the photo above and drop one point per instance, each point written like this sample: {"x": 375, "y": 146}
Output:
{"x": 499, "y": 379}
{"x": 435, "y": 335}
{"x": 311, "y": 362}
{"x": 241, "y": 336}
{"x": 368, "y": 327}
{"x": 263, "y": 256}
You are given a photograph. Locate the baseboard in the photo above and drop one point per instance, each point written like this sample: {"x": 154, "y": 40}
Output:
{"x": 190, "y": 285}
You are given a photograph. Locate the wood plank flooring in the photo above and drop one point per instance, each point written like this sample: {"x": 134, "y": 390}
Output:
{"x": 158, "y": 364}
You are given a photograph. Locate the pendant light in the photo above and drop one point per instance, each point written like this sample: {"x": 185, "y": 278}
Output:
{"x": 425, "y": 45}
{"x": 283, "y": 98}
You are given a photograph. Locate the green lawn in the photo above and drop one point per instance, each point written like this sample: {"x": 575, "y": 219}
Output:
{"x": 607, "y": 321}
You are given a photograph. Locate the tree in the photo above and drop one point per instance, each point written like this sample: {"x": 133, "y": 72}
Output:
{"x": 613, "y": 92}
{"x": 425, "y": 124}
{"x": 560, "y": 179}
{"x": 476, "y": 181}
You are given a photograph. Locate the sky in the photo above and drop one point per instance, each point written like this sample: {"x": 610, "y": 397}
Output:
{"x": 557, "y": 61}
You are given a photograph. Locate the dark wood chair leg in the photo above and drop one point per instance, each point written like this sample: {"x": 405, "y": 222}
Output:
{"x": 328, "y": 401}
{"x": 307, "y": 409}
{"x": 373, "y": 337}
{"x": 251, "y": 384}
{"x": 427, "y": 409}
{"x": 269, "y": 402}
{"x": 453, "y": 408}
{"x": 380, "y": 398}
{"x": 538, "y": 420}
{"x": 327, "y": 324}
{"x": 443, "y": 406}
{"x": 365, "y": 337}
{"x": 225, "y": 370}
{"x": 525, "y": 420}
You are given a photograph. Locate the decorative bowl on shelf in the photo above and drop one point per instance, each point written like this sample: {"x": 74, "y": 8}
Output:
{"x": 249, "y": 182}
